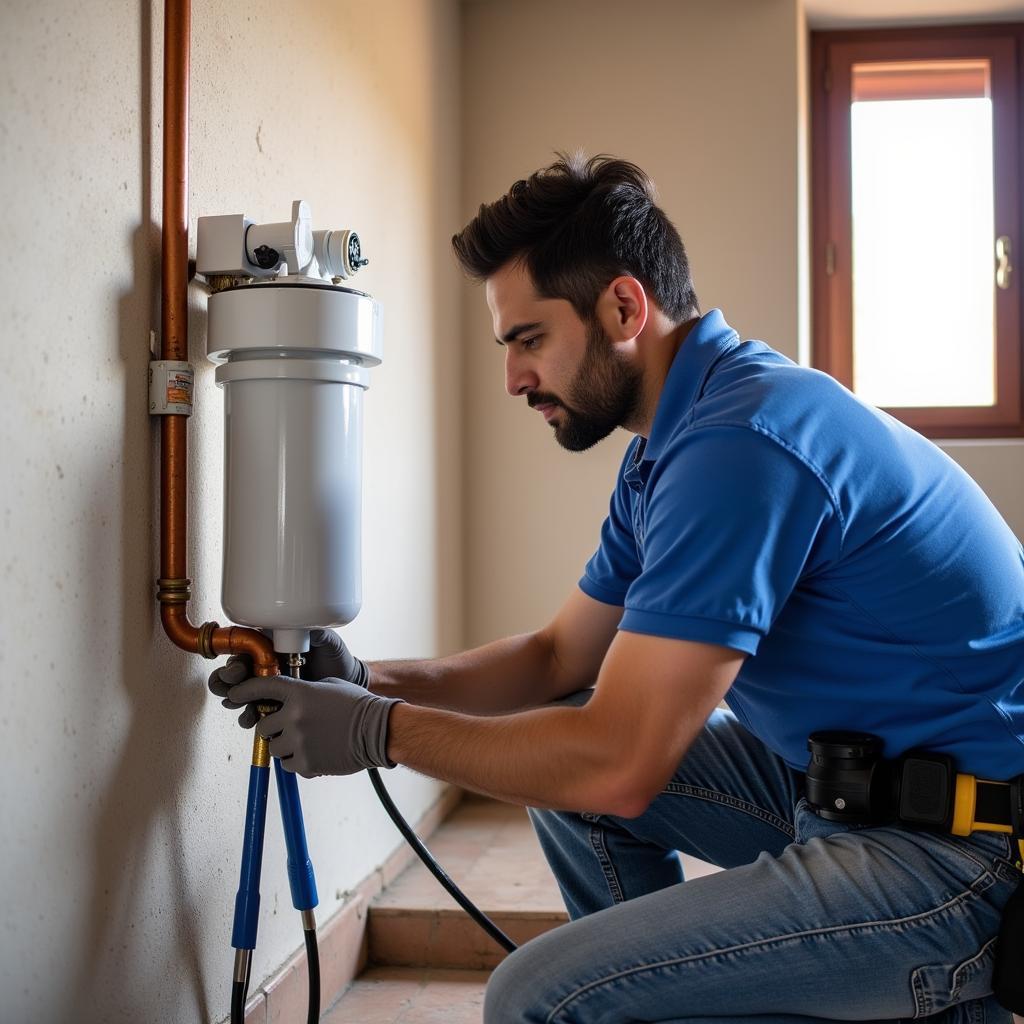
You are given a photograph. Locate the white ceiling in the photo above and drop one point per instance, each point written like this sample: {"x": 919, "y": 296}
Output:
{"x": 867, "y": 13}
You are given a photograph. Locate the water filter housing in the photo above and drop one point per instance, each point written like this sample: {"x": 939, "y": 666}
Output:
{"x": 294, "y": 355}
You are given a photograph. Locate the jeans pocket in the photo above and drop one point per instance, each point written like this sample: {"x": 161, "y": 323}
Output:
{"x": 936, "y": 987}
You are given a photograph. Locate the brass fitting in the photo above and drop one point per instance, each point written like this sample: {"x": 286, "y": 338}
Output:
{"x": 260, "y": 746}
{"x": 260, "y": 752}
{"x": 206, "y": 631}
{"x": 218, "y": 282}
{"x": 173, "y": 591}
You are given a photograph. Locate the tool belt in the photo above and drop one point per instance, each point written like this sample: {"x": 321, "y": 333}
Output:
{"x": 849, "y": 781}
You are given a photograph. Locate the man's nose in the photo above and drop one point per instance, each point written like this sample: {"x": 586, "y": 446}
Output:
{"x": 519, "y": 379}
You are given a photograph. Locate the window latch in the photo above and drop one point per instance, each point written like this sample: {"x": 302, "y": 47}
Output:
{"x": 1003, "y": 266}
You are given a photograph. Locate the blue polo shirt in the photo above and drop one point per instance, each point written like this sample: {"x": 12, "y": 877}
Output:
{"x": 868, "y": 577}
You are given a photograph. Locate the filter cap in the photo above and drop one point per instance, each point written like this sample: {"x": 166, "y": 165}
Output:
{"x": 291, "y": 641}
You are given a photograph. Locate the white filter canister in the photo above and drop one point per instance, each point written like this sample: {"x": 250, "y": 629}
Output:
{"x": 293, "y": 453}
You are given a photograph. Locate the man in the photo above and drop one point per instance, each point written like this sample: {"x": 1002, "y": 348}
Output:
{"x": 771, "y": 542}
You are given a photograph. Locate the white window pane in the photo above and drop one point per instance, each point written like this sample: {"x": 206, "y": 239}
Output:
{"x": 923, "y": 236}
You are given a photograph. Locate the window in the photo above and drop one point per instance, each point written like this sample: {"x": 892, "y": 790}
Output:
{"x": 916, "y": 223}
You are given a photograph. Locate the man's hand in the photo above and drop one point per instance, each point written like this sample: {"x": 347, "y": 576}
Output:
{"x": 328, "y": 658}
{"x": 223, "y": 681}
{"x": 329, "y": 727}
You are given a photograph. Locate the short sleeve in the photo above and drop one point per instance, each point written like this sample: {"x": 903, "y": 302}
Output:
{"x": 733, "y": 520}
{"x": 616, "y": 563}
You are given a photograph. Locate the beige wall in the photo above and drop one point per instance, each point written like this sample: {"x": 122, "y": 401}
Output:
{"x": 704, "y": 95}
{"x": 710, "y": 97}
{"x": 124, "y": 782}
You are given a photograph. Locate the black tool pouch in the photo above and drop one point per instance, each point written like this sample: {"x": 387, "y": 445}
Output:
{"x": 1008, "y": 976}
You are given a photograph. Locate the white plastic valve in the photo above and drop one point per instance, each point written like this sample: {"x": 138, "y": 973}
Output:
{"x": 233, "y": 247}
{"x": 267, "y": 245}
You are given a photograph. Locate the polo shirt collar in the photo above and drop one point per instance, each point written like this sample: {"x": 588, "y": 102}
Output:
{"x": 709, "y": 338}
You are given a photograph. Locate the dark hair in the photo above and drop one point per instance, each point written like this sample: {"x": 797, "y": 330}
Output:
{"x": 576, "y": 225}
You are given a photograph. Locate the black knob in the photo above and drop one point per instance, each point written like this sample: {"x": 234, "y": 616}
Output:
{"x": 267, "y": 258}
{"x": 355, "y": 253}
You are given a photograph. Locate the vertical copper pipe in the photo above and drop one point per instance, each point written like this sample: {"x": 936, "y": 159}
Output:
{"x": 209, "y": 639}
{"x": 174, "y": 322}
{"x": 174, "y": 280}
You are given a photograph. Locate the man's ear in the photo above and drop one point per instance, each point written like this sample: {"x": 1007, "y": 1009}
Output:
{"x": 622, "y": 308}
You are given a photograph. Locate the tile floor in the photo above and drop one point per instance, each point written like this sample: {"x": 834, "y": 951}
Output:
{"x": 404, "y": 995}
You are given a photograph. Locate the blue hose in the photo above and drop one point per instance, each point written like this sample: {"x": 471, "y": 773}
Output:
{"x": 300, "y": 869}
{"x": 247, "y": 900}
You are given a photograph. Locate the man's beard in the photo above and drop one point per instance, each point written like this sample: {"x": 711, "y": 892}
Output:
{"x": 604, "y": 394}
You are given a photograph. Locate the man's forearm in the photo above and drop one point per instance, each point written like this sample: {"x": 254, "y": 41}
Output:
{"x": 555, "y": 757}
{"x": 509, "y": 674}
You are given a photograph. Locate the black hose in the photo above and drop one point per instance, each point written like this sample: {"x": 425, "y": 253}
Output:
{"x": 434, "y": 868}
{"x": 313, "y": 965}
{"x": 238, "y": 1002}
{"x": 239, "y": 992}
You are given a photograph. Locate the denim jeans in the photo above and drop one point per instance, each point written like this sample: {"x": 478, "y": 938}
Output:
{"x": 810, "y": 920}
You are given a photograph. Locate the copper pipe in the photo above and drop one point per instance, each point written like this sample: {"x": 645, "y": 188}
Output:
{"x": 209, "y": 639}
{"x": 174, "y": 279}
{"x": 177, "y": 29}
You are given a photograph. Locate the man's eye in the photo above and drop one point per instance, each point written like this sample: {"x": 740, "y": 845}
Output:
{"x": 530, "y": 343}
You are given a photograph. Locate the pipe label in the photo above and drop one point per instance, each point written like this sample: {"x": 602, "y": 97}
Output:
{"x": 170, "y": 388}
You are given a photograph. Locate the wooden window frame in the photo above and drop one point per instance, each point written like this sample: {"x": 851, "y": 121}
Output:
{"x": 832, "y": 57}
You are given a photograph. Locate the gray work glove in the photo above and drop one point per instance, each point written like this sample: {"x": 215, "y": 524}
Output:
{"x": 330, "y": 727}
{"x": 328, "y": 657}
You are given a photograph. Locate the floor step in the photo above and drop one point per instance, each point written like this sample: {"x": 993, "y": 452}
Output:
{"x": 402, "y": 995}
{"x": 490, "y": 851}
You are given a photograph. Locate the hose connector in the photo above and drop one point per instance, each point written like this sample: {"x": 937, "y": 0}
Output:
{"x": 260, "y": 751}
{"x": 243, "y": 958}
{"x": 247, "y": 899}
{"x": 301, "y": 878}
